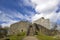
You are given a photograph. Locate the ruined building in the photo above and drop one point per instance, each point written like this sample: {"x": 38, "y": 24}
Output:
{"x": 42, "y": 26}
{"x": 44, "y": 22}
{"x": 19, "y": 27}
{"x": 34, "y": 29}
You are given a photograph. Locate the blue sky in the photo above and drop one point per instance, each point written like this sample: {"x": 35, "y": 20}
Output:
{"x": 12, "y": 11}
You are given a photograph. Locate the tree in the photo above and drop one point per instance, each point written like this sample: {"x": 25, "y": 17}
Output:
{"x": 3, "y": 32}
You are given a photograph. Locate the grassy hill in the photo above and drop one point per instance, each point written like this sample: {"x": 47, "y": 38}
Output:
{"x": 41, "y": 36}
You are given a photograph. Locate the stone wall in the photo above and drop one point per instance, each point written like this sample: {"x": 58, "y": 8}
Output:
{"x": 19, "y": 27}
{"x": 43, "y": 22}
{"x": 41, "y": 29}
{"x": 46, "y": 31}
{"x": 42, "y": 25}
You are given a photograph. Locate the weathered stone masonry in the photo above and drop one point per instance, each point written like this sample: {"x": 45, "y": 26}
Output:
{"x": 42, "y": 25}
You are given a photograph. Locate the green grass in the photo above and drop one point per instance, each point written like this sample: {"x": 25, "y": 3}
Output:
{"x": 19, "y": 36}
{"x": 16, "y": 37}
{"x": 41, "y": 36}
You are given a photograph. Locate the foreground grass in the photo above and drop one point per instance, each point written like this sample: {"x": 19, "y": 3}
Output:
{"x": 41, "y": 36}
{"x": 16, "y": 37}
{"x": 19, "y": 36}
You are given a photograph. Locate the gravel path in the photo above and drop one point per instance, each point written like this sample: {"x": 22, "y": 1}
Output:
{"x": 30, "y": 38}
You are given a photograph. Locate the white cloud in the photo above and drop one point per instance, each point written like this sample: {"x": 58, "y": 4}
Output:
{"x": 0, "y": 11}
{"x": 26, "y": 3}
{"x": 16, "y": 14}
{"x": 45, "y": 5}
{"x": 52, "y": 16}
{"x": 4, "y": 17}
{"x": 47, "y": 9}
{"x": 8, "y": 23}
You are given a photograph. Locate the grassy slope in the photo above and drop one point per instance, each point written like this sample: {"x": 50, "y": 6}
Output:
{"x": 40, "y": 36}
{"x": 17, "y": 37}
{"x": 45, "y": 37}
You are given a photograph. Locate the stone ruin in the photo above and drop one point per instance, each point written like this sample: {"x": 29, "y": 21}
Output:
{"x": 34, "y": 29}
{"x": 18, "y": 27}
{"x": 42, "y": 26}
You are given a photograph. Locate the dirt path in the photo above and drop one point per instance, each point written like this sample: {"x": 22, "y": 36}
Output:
{"x": 30, "y": 38}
